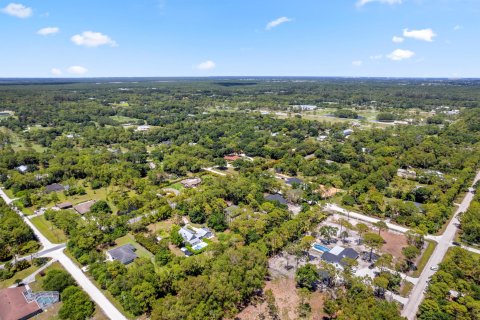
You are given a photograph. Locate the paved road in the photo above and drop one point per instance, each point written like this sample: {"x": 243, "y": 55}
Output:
{"x": 215, "y": 171}
{"x": 31, "y": 277}
{"x": 359, "y": 216}
{"x": 56, "y": 252}
{"x": 444, "y": 242}
{"x": 474, "y": 250}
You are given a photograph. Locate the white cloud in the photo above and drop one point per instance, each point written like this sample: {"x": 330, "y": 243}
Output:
{"x": 77, "y": 70}
{"x": 376, "y": 57}
{"x": 423, "y": 34}
{"x": 397, "y": 39}
{"x": 400, "y": 54}
{"x": 48, "y": 30}
{"x": 364, "y": 2}
{"x": 457, "y": 27}
{"x": 18, "y": 10}
{"x": 277, "y": 22}
{"x": 206, "y": 65}
{"x": 92, "y": 39}
{"x": 56, "y": 71}
{"x": 357, "y": 63}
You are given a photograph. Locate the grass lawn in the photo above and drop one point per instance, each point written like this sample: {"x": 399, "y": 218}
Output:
{"x": 18, "y": 143}
{"x": 123, "y": 119}
{"x": 162, "y": 227}
{"x": 177, "y": 186}
{"x": 38, "y": 284}
{"x": 406, "y": 289}
{"x": 19, "y": 275}
{"x": 52, "y": 312}
{"x": 141, "y": 251}
{"x": 52, "y": 233}
{"x": 424, "y": 258}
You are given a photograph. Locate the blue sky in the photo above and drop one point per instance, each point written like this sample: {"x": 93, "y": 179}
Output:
{"x": 84, "y": 38}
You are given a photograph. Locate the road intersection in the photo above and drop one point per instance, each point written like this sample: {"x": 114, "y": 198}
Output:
{"x": 444, "y": 242}
{"x": 55, "y": 251}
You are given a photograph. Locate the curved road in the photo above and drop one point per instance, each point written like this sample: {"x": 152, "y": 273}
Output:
{"x": 55, "y": 251}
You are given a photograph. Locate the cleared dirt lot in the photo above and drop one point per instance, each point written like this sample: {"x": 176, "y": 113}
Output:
{"x": 287, "y": 300}
{"x": 394, "y": 244}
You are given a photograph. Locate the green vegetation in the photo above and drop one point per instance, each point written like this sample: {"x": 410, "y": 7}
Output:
{"x": 427, "y": 253}
{"x": 454, "y": 291}
{"x": 59, "y": 134}
{"x": 16, "y": 238}
{"x": 470, "y": 222}
{"x": 51, "y": 232}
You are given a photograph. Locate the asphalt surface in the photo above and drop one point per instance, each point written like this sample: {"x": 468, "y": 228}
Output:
{"x": 56, "y": 252}
{"x": 443, "y": 243}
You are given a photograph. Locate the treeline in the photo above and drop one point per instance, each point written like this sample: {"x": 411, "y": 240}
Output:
{"x": 454, "y": 290}
{"x": 16, "y": 238}
{"x": 470, "y": 222}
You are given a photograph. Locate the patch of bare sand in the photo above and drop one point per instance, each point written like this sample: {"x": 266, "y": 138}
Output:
{"x": 286, "y": 298}
{"x": 317, "y": 300}
{"x": 394, "y": 244}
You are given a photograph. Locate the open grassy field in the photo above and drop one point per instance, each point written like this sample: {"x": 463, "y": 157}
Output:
{"x": 52, "y": 233}
{"x": 123, "y": 119}
{"x": 19, "y": 144}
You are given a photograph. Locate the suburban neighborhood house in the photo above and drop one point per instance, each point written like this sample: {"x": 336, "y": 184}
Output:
{"x": 20, "y": 303}
{"x": 337, "y": 255}
{"x": 193, "y": 236}
{"x": 84, "y": 207}
{"x": 191, "y": 183}
{"x": 64, "y": 205}
{"x": 125, "y": 254}
{"x": 54, "y": 187}
{"x": 406, "y": 173}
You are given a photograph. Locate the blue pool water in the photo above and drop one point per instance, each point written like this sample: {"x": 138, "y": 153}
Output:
{"x": 319, "y": 247}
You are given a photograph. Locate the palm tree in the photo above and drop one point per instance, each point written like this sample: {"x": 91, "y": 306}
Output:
{"x": 381, "y": 225}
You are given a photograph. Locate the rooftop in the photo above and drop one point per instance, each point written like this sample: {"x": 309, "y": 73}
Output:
{"x": 125, "y": 254}
{"x": 276, "y": 197}
{"x": 54, "y": 187}
{"x": 14, "y": 306}
{"x": 84, "y": 207}
{"x": 337, "y": 254}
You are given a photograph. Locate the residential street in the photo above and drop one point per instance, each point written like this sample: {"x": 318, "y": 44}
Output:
{"x": 55, "y": 251}
{"x": 444, "y": 242}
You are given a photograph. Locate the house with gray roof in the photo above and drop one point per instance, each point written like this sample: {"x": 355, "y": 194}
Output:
{"x": 195, "y": 235}
{"x": 125, "y": 254}
{"x": 337, "y": 254}
{"x": 84, "y": 207}
{"x": 54, "y": 187}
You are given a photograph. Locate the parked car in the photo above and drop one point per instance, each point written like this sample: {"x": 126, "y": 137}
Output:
{"x": 455, "y": 243}
{"x": 434, "y": 268}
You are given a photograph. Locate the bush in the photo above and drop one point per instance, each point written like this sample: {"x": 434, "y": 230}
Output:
{"x": 57, "y": 280}
{"x": 76, "y": 304}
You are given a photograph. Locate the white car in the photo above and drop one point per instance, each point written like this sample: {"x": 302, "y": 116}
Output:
{"x": 434, "y": 268}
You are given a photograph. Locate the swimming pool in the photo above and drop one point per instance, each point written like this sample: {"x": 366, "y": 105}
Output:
{"x": 319, "y": 247}
{"x": 199, "y": 246}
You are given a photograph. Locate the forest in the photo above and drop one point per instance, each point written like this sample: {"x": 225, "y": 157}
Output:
{"x": 268, "y": 155}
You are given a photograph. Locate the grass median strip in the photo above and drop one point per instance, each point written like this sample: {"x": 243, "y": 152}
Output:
{"x": 424, "y": 259}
